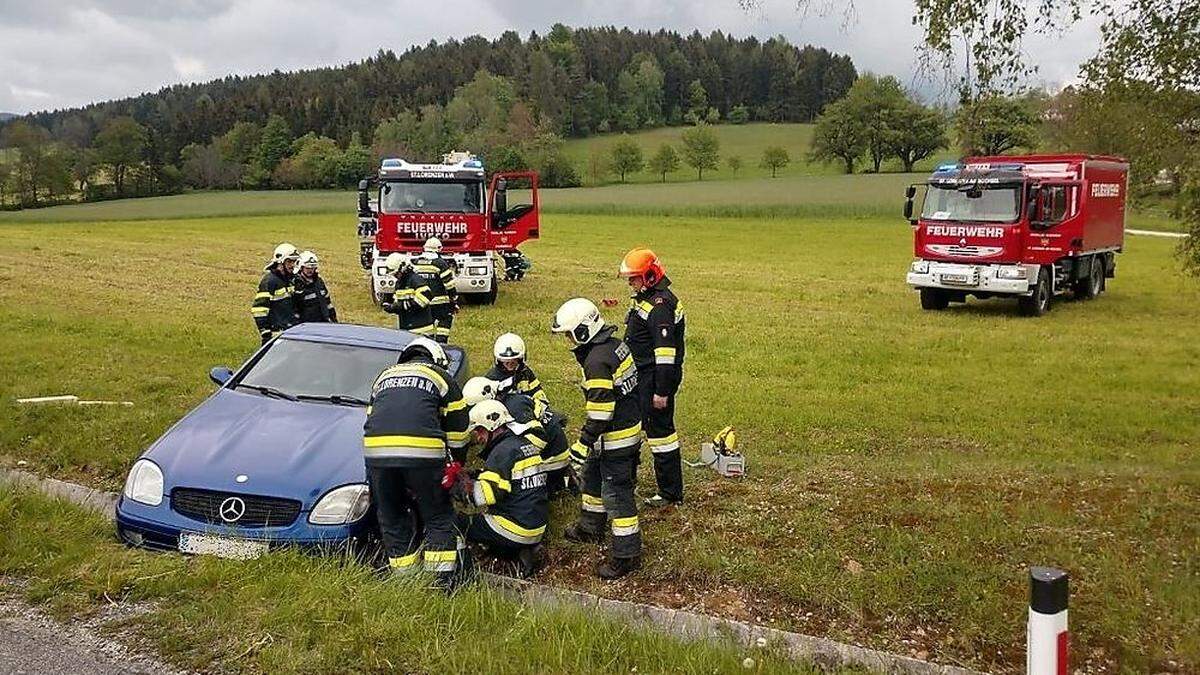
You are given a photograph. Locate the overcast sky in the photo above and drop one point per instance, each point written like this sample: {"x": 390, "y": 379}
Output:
{"x": 64, "y": 53}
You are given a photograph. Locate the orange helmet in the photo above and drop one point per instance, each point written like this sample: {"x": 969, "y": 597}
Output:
{"x": 641, "y": 262}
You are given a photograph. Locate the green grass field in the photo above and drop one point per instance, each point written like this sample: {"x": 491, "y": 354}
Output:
{"x": 905, "y": 467}
{"x": 746, "y": 141}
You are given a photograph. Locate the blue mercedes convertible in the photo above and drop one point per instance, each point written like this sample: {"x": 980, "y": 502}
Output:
{"x": 274, "y": 456}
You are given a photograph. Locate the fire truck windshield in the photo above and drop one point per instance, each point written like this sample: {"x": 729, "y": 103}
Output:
{"x": 432, "y": 197}
{"x": 990, "y": 204}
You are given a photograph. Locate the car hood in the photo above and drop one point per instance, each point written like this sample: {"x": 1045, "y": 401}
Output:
{"x": 293, "y": 449}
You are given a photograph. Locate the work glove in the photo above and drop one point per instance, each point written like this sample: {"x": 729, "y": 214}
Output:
{"x": 450, "y": 474}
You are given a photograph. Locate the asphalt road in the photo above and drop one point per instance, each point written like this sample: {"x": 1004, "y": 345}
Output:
{"x": 32, "y": 642}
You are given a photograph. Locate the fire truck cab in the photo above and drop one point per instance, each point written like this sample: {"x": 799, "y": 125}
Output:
{"x": 405, "y": 204}
{"x": 1030, "y": 227}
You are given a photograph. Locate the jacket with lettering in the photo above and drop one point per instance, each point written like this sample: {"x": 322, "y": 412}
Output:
{"x": 313, "y": 299}
{"x": 540, "y": 425}
{"x": 274, "y": 306}
{"x": 614, "y": 420}
{"x": 512, "y": 488}
{"x": 416, "y": 417}
{"x": 438, "y": 272}
{"x": 654, "y": 331}
{"x": 522, "y": 381}
{"x": 410, "y": 302}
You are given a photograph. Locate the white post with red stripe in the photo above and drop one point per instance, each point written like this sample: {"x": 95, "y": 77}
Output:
{"x": 1047, "y": 638}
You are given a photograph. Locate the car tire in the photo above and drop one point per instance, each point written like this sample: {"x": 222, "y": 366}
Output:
{"x": 934, "y": 299}
{"x": 371, "y": 291}
{"x": 489, "y": 298}
{"x": 1038, "y": 303}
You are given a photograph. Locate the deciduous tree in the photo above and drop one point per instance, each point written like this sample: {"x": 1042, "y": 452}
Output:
{"x": 665, "y": 160}
{"x": 701, "y": 149}
{"x": 627, "y": 156}
{"x": 774, "y": 158}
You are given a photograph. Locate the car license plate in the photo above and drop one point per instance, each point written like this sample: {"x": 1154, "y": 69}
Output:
{"x": 956, "y": 279}
{"x": 222, "y": 547}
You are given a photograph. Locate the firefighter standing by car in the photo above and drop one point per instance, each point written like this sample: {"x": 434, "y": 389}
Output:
{"x": 610, "y": 439}
{"x": 409, "y": 300}
{"x": 312, "y": 295}
{"x": 416, "y": 419}
{"x": 274, "y": 305}
{"x": 654, "y": 331}
{"x": 510, "y": 490}
{"x": 533, "y": 419}
{"x": 438, "y": 272}
{"x": 511, "y": 370}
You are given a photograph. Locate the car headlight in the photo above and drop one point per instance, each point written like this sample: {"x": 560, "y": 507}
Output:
{"x": 478, "y": 271}
{"x": 145, "y": 483}
{"x": 1012, "y": 273}
{"x": 920, "y": 267}
{"x": 341, "y": 505}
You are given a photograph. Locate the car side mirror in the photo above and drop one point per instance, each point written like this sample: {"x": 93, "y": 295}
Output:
{"x": 910, "y": 192}
{"x": 220, "y": 375}
{"x": 364, "y": 201}
{"x": 908, "y": 208}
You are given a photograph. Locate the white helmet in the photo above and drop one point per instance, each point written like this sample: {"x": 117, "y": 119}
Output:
{"x": 509, "y": 346}
{"x": 489, "y": 414}
{"x": 309, "y": 259}
{"x": 479, "y": 389}
{"x": 579, "y": 319}
{"x": 284, "y": 251}
{"x": 428, "y": 346}
{"x": 433, "y": 245}
{"x": 394, "y": 262}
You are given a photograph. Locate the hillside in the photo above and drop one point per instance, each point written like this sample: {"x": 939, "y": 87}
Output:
{"x": 746, "y": 141}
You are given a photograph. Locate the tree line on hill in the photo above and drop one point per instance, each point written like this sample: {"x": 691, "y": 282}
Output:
{"x": 571, "y": 82}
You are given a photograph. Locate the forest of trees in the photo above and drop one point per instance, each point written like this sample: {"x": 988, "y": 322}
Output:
{"x": 564, "y": 84}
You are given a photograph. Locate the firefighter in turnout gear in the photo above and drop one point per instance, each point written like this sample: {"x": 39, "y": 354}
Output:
{"x": 416, "y": 422}
{"x": 610, "y": 440}
{"x": 312, "y": 295}
{"x": 274, "y": 306}
{"x": 532, "y": 418}
{"x": 438, "y": 272}
{"x": 654, "y": 331}
{"x": 510, "y": 490}
{"x": 410, "y": 299}
{"x": 511, "y": 370}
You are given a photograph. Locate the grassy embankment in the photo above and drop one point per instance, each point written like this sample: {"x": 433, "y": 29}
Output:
{"x": 905, "y": 467}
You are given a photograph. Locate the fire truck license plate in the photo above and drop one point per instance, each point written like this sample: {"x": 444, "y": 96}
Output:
{"x": 956, "y": 279}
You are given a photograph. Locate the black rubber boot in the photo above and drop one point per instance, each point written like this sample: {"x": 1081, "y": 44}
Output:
{"x": 579, "y": 535}
{"x": 530, "y": 561}
{"x": 615, "y": 568}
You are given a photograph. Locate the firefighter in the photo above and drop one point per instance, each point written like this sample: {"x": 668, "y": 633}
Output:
{"x": 654, "y": 330}
{"x": 438, "y": 272}
{"x": 512, "y": 371}
{"x": 532, "y": 418}
{"x": 274, "y": 306}
{"x": 610, "y": 440}
{"x": 415, "y": 421}
{"x": 410, "y": 299}
{"x": 312, "y": 294}
{"x": 510, "y": 490}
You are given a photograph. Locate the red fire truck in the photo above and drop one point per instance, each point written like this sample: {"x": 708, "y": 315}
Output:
{"x": 1030, "y": 227}
{"x": 406, "y": 203}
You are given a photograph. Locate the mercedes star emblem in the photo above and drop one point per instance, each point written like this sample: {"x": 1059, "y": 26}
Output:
{"x": 232, "y": 509}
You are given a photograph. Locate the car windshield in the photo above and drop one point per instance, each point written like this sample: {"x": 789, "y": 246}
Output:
{"x": 432, "y": 197}
{"x": 991, "y": 205}
{"x": 303, "y": 369}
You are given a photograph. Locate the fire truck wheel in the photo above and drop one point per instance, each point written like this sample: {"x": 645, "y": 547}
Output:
{"x": 371, "y": 291}
{"x": 1093, "y": 284}
{"x": 934, "y": 298}
{"x": 1038, "y": 303}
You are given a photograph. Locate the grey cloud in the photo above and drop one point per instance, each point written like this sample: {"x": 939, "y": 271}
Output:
{"x": 71, "y": 52}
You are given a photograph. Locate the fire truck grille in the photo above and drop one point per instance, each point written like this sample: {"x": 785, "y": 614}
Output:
{"x": 206, "y": 506}
{"x": 450, "y": 241}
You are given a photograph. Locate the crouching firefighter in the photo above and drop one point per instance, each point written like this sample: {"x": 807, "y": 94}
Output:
{"x": 654, "y": 331}
{"x": 609, "y": 442}
{"x": 416, "y": 421}
{"x": 312, "y": 295}
{"x": 438, "y": 273}
{"x": 409, "y": 300}
{"x": 510, "y": 491}
{"x": 534, "y": 420}
{"x": 274, "y": 306}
